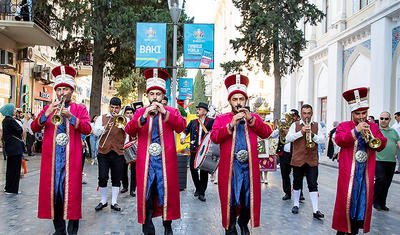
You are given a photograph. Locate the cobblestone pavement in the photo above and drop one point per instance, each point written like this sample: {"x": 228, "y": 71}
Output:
{"x": 18, "y": 213}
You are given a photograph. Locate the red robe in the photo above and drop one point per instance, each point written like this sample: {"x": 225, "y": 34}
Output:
{"x": 172, "y": 121}
{"x": 221, "y": 134}
{"x": 347, "y": 140}
{"x": 73, "y": 163}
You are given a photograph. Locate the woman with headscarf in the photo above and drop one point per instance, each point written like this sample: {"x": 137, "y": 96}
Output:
{"x": 14, "y": 148}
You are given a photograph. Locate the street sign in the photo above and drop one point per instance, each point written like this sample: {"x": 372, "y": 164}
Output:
{"x": 185, "y": 88}
{"x": 151, "y": 45}
{"x": 198, "y": 46}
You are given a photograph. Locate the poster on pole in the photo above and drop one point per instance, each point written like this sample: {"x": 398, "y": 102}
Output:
{"x": 198, "y": 46}
{"x": 185, "y": 88}
{"x": 151, "y": 45}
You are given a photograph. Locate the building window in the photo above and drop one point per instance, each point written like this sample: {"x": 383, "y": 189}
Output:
{"x": 285, "y": 108}
{"x": 300, "y": 103}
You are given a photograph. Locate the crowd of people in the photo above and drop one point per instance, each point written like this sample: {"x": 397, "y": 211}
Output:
{"x": 143, "y": 139}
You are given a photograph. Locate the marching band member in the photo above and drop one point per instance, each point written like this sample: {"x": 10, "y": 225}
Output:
{"x": 157, "y": 167}
{"x": 305, "y": 136}
{"x": 60, "y": 188}
{"x": 110, "y": 153}
{"x": 355, "y": 187}
{"x": 128, "y": 113}
{"x": 197, "y": 129}
{"x": 239, "y": 173}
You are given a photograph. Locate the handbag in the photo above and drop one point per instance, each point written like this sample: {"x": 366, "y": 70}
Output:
{"x": 23, "y": 143}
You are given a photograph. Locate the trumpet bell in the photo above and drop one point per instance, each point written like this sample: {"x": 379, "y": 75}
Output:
{"x": 374, "y": 143}
{"x": 120, "y": 121}
{"x": 57, "y": 120}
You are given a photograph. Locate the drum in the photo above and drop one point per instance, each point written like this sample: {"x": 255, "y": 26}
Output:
{"x": 267, "y": 162}
{"x": 130, "y": 150}
{"x": 207, "y": 156}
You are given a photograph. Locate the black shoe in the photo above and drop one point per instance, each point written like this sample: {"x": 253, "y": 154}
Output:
{"x": 168, "y": 230}
{"x": 378, "y": 207}
{"x": 295, "y": 210}
{"x": 385, "y": 208}
{"x": 302, "y": 198}
{"x": 318, "y": 215}
{"x": 286, "y": 197}
{"x": 124, "y": 190}
{"x": 244, "y": 230}
{"x": 396, "y": 172}
{"x": 116, "y": 207}
{"x": 101, "y": 206}
{"x": 31, "y": 155}
{"x": 26, "y": 159}
{"x": 196, "y": 193}
{"x": 202, "y": 198}
{"x": 132, "y": 193}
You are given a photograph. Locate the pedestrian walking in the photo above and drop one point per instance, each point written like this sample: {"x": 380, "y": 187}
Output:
{"x": 30, "y": 136}
{"x": 385, "y": 163}
{"x": 14, "y": 148}
{"x": 60, "y": 187}
{"x": 94, "y": 142}
{"x": 239, "y": 183}
{"x": 353, "y": 205}
{"x": 128, "y": 113}
{"x": 156, "y": 163}
{"x": 198, "y": 129}
{"x": 396, "y": 126}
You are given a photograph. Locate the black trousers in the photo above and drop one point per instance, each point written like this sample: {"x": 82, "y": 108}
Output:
{"x": 384, "y": 172}
{"x": 311, "y": 174}
{"x": 59, "y": 222}
{"x": 133, "y": 177}
{"x": 148, "y": 226}
{"x": 199, "y": 182}
{"x": 244, "y": 216}
{"x": 355, "y": 226}
{"x": 30, "y": 139}
{"x": 111, "y": 161}
{"x": 286, "y": 168}
{"x": 124, "y": 176}
{"x": 13, "y": 173}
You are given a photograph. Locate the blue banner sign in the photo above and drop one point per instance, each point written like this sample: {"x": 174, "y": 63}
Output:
{"x": 151, "y": 45}
{"x": 185, "y": 88}
{"x": 199, "y": 46}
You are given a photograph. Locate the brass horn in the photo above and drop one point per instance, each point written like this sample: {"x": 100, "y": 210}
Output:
{"x": 57, "y": 119}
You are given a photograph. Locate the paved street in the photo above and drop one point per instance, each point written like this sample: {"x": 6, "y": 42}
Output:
{"x": 19, "y": 213}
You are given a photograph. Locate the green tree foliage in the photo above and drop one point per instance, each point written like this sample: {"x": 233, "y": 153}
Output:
{"x": 199, "y": 88}
{"x": 271, "y": 37}
{"x": 108, "y": 30}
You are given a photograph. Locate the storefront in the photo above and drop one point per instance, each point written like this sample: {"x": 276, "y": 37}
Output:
{"x": 43, "y": 95}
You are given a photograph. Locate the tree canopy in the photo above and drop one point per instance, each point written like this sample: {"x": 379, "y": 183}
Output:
{"x": 271, "y": 37}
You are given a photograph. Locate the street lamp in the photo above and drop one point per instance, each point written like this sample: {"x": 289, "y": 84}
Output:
{"x": 175, "y": 8}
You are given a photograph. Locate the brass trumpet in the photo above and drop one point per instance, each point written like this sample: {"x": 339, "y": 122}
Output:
{"x": 120, "y": 121}
{"x": 369, "y": 138}
{"x": 57, "y": 119}
{"x": 309, "y": 142}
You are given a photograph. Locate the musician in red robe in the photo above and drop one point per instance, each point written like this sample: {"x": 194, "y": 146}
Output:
{"x": 60, "y": 188}
{"x": 355, "y": 187}
{"x": 239, "y": 173}
{"x": 156, "y": 163}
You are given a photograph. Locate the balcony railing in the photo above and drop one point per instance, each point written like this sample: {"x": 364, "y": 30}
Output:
{"x": 12, "y": 10}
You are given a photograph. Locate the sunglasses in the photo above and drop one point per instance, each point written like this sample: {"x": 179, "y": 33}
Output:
{"x": 384, "y": 118}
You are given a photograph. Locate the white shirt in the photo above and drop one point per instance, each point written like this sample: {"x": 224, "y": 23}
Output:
{"x": 28, "y": 126}
{"x": 275, "y": 134}
{"x": 292, "y": 135}
{"x": 396, "y": 126}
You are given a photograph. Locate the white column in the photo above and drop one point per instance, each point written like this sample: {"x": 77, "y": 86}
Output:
{"x": 335, "y": 76}
{"x": 309, "y": 79}
{"x": 381, "y": 60}
{"x": 292, "y": 103}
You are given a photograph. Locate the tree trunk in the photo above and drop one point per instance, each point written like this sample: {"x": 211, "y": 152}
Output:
{"x": 277, "y": 78}
{"x": 97, "y": 78}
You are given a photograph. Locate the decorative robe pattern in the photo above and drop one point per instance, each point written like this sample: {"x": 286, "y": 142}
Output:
{"x": 346, "y": 138}
{"x": 167, "y": 124}
{"x": 73, "y": 163}
{"x": 223, "y": 135}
